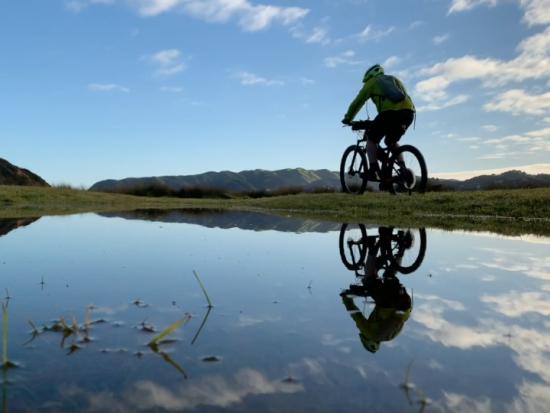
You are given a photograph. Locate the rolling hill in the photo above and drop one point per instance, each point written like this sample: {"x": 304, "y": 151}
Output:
{"x": 14, "y": 175}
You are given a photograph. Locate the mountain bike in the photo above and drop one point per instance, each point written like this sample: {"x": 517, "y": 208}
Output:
{"x": 402, "y": 168}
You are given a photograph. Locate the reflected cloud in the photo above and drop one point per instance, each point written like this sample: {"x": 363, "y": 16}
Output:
{"x": 464, "y": 404}
{"x": 516, "y": 304}
{"x": 434, "y": 299}
{"x": 249, "y": 321}
{"x": 212, "y": 391}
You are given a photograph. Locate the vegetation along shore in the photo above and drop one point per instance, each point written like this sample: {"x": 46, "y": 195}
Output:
{"x": 503, "y": 211}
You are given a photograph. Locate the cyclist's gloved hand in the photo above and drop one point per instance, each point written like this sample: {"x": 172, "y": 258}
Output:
{"x": 346, "y": 122}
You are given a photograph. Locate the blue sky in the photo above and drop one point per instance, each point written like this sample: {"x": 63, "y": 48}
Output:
{"x": 96, "y": 89}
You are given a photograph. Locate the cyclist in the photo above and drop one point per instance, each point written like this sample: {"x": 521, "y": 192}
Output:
{"x": 395, "y": 108}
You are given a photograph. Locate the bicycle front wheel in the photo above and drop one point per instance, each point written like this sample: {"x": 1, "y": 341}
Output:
{"x": 353, "y": 170}
{"x": 352, "y": 244}
{"x": 407, "y": 170}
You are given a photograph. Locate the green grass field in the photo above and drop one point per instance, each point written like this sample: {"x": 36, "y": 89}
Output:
{"x": 503, "y": 211}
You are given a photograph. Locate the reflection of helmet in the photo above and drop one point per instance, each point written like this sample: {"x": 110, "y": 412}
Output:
{"x": 373, "y": 71}
{"x": 371, "y": 345}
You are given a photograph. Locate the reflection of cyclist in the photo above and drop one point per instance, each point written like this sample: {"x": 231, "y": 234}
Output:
{"x": 393, "y": 307}
{"x": 393, "y": 304}
{"x": 395, "y": 111}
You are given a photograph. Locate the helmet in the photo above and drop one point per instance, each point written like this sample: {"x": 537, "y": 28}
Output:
{"x": 373, "y": 71}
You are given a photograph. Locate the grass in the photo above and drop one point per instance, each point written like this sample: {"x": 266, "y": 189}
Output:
{"x": 511, "y": 212}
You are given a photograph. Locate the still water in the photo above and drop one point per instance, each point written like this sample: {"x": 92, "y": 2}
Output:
{"x": 307, "y": 316}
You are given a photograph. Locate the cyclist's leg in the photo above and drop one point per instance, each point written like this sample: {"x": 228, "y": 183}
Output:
{"x": 374, "y": 136}
{"x": 396, "y": 126}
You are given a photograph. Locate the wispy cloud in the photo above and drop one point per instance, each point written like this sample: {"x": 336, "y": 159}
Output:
{"x": 371, "y": 33}
{"x": 345, "y": 58}
{"x": 391, "y": 61}
{"x": 107, "y": 87}
{"x": 490, "y": 128}
{"x": 318, "y": 35}
{"x": 437, "y": 40}
{"x": 251, "y": 17}
{"x": 168, "y": 62}
{"x": 430, "y": 107}
{"x": 171, "y": 89}
{"x": 251, "y": 79}
{"x": 77, "y": 6}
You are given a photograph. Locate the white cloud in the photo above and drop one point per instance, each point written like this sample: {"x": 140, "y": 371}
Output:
{"x": 463, "y": 5}
{"x": 515, "y": 304}
{"x": 210, "y": 391}
{"x": 251, "y": 79}
{"x": 370, "y": 33}
{"x": 437, "y": 40}
{"x": 107, "y": 87}
{"x": 532, "y": 62}
{"x": 519, "y": 102}
{"x": 535, "y": 11}
{"x": 391, "y": 61}
{"x": 251, "y": 17}
{"x": 169, "y": 62}
{"x": 535, "y": 141}
{"x": 345, "y": 58}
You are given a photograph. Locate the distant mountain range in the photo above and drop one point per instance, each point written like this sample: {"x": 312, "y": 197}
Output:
{"x": 309, "y": 180}
{"x": 245, "y": 181}
{"x": 14, "y": 175}
{"x": 506, "y": 180}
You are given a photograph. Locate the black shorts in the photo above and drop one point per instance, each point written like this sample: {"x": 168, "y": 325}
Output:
{"x": 392, "y": 124}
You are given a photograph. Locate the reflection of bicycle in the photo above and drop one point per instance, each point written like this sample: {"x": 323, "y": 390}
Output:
{"x": 401, "y": 250}
{"x": 403, "y": 168}
{"x": 376, "y": 255}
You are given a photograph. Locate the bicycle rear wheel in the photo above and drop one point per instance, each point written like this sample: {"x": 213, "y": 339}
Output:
{"x": 407, "y": 170}
{"x": 407, "y": 249}
{"x": 353, "y": 170}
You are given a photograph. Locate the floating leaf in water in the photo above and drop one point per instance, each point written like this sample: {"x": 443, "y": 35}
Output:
{"x": 290, "y": 380}
{"x": 171, "y": 329}
{"x": 211, "y": 359}
{"x": 147, "y": 327}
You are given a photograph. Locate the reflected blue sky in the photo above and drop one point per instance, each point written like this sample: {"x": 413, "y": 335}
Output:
{"x": 476, "y": 340}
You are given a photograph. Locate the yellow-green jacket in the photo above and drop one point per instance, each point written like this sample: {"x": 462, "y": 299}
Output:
{"x": 373, "y": 89}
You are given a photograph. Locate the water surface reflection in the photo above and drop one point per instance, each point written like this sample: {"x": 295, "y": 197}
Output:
{"x": 461, "y": 326}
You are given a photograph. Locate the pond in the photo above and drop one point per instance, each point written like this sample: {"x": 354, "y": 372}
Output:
{"x": 304, "y": 316}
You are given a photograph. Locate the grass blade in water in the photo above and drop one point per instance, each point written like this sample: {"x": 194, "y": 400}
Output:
{"x": 171, "y": 329}
{"x": 5, "y": 325}
{"x": 203, "y": 289}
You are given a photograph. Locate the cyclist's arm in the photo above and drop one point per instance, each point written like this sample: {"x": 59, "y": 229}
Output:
{"x": 364, "y": 94}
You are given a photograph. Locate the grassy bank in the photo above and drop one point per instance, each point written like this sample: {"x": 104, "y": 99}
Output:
{"x": 503, "y": 211}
